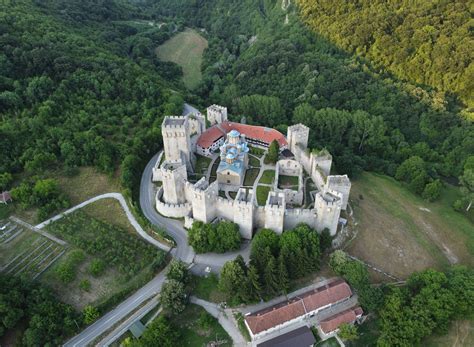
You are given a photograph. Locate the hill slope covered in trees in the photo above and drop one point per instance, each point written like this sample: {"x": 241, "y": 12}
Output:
{"x": 425, "y": 42}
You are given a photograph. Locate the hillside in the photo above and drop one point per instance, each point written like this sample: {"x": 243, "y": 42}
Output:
{"x": 425, "y": 42}
{"x": 70, "y": 97}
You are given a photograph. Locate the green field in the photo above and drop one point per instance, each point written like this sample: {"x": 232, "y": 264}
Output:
{"x": 186, "y": 50}
{"x": 127, "y": 261}
{"x": 193, "y": 334}
{"x": 399, "y": 232}
{"x": 267, "y": 177}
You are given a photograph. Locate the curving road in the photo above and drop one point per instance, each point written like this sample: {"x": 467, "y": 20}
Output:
{"x": 173, "y": 227}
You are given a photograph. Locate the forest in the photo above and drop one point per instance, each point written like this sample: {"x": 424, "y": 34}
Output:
{"x": 427, "y": 42}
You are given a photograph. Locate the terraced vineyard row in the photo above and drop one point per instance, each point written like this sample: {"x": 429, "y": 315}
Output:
{"x": 34, "y": 253}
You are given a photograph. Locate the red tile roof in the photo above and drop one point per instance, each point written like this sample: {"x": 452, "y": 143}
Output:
{"x": 310, "y": 301}
{"x": 255, "y": 132}
{"x": 210, "y": 136}
{"x": 332, "y": 323}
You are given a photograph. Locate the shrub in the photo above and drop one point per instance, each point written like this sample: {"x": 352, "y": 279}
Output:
{"x": 85, "y": 285}
{"x": 96, "y": 267}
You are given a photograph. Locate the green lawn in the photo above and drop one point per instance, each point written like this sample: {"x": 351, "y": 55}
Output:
{"x": 186, "y": 50}
{"x": 404, "y": 232}
{"x": 215, "y": 166}
{"x": 262, "y": 194}
{"x": 254, "y": 161}
{"x": 5, "y": 211}
{"x": 202, "y": 164}
{"x": 285, "y": 181}
{"x": 267, "y": 177}
{"x": 206, "y": 288}
{"x": 250, "y": 176}
{"x": 193, "y": 334}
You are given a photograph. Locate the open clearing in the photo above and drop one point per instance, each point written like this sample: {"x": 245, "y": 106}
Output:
{"x": 186, "y": 50}
{"x": 400, "y": 233}
{"x": 461, "y": 333}
{"x": 192, "y": 333}
{"x": 87, "y": 184}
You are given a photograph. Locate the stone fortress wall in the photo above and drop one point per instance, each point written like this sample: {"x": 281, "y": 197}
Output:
{"x": 201, "y": 201}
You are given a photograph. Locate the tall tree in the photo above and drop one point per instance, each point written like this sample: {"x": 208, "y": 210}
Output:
{"x": 271, "y": 277}
{"x": 283, "y": 279}
{"x": 173, "y": 296}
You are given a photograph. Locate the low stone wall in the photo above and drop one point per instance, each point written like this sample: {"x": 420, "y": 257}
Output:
{"x": 171, "y": 210}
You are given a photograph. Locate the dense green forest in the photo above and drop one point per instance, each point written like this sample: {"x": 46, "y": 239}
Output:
{"x": 80, "y": 92}
{"x": 426, "y": 42}
{"x": 47, "y": 321}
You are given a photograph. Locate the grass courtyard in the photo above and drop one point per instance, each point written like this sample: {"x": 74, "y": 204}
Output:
{"x": 250, "y": 176}
{"x": 262, "y": 194}
{"x": 185, "y": 49}
{"x": 400, "y": 233}
{"x": 290, "y": 182}
{"x": 267, "y": 177}
{"x": 202, "y": 164}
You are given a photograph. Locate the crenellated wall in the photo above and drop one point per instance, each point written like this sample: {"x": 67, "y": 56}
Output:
{"x": 171, "y": 210}
{"x": 295, "y": 216}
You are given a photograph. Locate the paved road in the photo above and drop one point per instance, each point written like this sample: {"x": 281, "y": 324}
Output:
{"x": 172, "y": 226}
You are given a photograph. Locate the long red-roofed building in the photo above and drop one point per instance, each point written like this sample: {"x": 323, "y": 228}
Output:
{"x": 288, "y": 312}
{"x": 257, "y": 136}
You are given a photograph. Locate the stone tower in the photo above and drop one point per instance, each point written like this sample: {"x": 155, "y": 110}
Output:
{"x": 177, "y": 140}
{"x": 297, "y": 136}
{"x": 322, "y": 161}
{"x": 216, "y": 114}
{"x": 328, "y": 208}
{"x": 204, "y": 200}
{"x": 174, "y": 177}
{"x": 275, "y": 211}
{"x": 340, "y": 184}
{"x": 243, "y": 212}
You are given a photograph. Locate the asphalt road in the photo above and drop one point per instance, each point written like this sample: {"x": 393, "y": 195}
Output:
{"x": 173, "y": 227}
